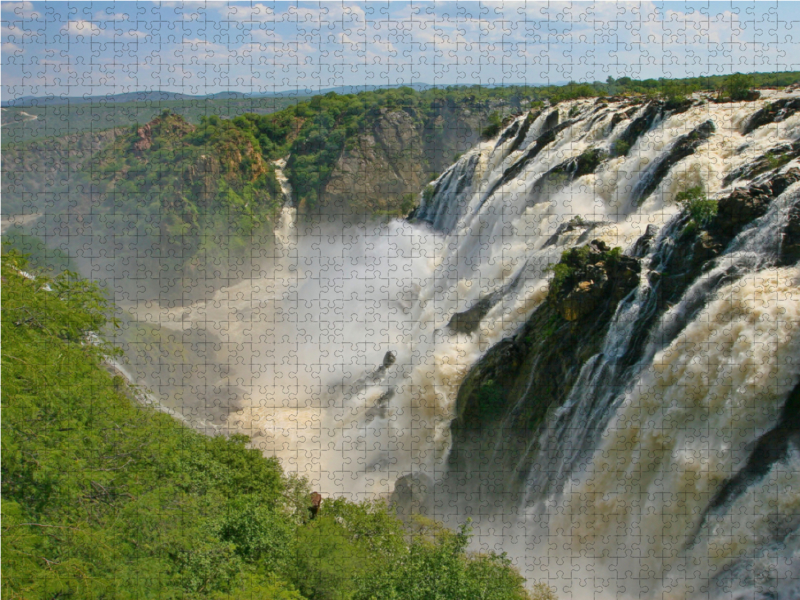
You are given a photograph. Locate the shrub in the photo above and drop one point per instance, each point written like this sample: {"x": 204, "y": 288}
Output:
{"x": 736, "y": 87}
{"x": 701, "y": 210}
{"x": 427, "y": 193}
{"x": 493, "y": 128}
{"x": 620, "y": 148}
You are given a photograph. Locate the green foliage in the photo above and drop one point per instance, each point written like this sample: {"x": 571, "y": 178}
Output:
{"x": 736, "y": 87}
{"x": 435, "y": 566}
{"x": 493, "y": 128}
{"x": 575, "y": 259}
{"x": 561, "y": 273}
{"x": 620, "y": 148}
{"x": 102, "y": 498}
{"x": 38, "y": 254}
{"x": 574, "y": 111}
{"x": 427, "y": 193}
{"x": 491, "y": 398}
{"x": 677, "y": 92}
{"x": 198, "y": 190}
{"x": 701, "y": 210}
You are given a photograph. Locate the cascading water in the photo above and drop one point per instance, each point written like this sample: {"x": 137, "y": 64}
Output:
{"x": 345, "y": 356}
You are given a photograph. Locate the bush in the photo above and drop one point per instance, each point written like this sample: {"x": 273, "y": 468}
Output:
{"x": 620, "y": 148}
{"x": 700, "y": 209}
{"x": 736, "y": 87}
{"x": 493, "y": 128}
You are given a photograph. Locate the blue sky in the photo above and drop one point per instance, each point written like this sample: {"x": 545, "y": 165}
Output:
{"x": 95, "y": 48}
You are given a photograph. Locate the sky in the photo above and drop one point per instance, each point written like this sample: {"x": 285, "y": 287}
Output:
{"x": 198, "y": 48}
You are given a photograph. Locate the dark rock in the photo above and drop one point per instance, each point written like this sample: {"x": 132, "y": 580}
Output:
{"x": 541, "y": 142}
{"x": 588, "y": 162}
{"x": 565, "y": 173}
{"x": 684, "y": 146}
{"x": 551, "y": 121}
{"x": 642, "y": 245}
{"x": 745, "y": 204}
{"x": 593, "y": 274}
{"x": 389, "y": 359}
{"x": 772, "y": 160}
{"x": 413, "y": 495}
{"x": 469, "y": 320}
{"x": 772, "y": 447}
{"x": 507, "y": 395}
{"x": 677, "y": 107}
{"x": 508, "y": 134}
{"x": 571, "y": 225}
{"x": 640, "y": 125}
{"x": 790, "y": 248}
{"x": 775, "y": 112}
{"x": 523, "y": 130}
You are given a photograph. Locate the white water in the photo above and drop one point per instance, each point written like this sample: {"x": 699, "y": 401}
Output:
{"x": 302, "y": 344}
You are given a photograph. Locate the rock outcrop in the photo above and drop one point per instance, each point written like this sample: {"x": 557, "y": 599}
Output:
{"x": 684, "y": 146}
{"x": 384, "y": 169}
{"x": 589, "y": 275}
{"x": 775, "y": 112}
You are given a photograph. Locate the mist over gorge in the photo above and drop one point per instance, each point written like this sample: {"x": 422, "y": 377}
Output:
{"x": 584, "y": 336}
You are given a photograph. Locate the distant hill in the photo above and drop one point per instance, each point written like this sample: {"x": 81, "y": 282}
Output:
{"x": 165, "y": 96}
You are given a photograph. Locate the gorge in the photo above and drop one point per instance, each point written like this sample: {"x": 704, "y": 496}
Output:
{"x": 585, "y": 338}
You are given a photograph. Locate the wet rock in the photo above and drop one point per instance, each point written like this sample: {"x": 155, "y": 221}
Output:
{"x": 541, "y": 142}
{"x": 551, "y": 121}
{"x": 642, "y": 124}
{"x": 642, "y": 245}
{"x": 508, "y": 134}
{"x": 523, "y": 130}
{"x": 380, "y": 410}
{"x": 590, "y": 275}
{"x": 469, "y": 320}
{"x": 507, "y": 395}
{"x": 790, "y": 248}
{"x": 413, "y": 495}
{"x": 746, "y": 204}
{"x": 389, "y": 359}
{"x": 772, "y": 160}
{"x": 565, "y": 173}
{"x": 677, "y": 107}
{"x": 684, "y": 146}
{"x": 587, "y": 162}
{"x": 775, "y": 112}
{"x": 572, "y": 225}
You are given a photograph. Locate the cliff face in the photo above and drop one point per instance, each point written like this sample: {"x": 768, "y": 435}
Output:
{"x": 382, "y": 171}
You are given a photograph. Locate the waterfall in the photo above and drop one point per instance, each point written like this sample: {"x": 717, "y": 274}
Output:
{"x": 342, "y": 357}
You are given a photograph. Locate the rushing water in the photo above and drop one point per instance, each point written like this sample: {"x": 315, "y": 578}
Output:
{"x": 337, "y": 358}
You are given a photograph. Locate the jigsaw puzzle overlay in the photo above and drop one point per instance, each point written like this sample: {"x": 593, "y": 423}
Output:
{"x": 531, "y": 266}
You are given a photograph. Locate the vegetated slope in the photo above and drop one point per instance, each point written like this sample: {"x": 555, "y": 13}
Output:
{"x": 38, "y": 121}
{"x": 102, "y": 498}
{"x": 37, "y": 174}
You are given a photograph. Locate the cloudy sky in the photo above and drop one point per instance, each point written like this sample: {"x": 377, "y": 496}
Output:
{"x": 95, "y": 48}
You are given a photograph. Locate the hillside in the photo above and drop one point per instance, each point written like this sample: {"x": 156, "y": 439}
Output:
{"x": 103, "y": 498}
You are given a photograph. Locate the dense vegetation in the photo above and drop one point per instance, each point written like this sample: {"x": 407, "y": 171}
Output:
{"x": 201, "y": 189}
{"x": 19, "y": 124}
{"x": 103, "y": 498}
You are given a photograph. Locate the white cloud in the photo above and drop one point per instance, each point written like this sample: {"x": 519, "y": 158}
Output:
{"x": 82, "y": 28}
{"x": 9, "y": 48}
{"x": 19, "y": 10}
